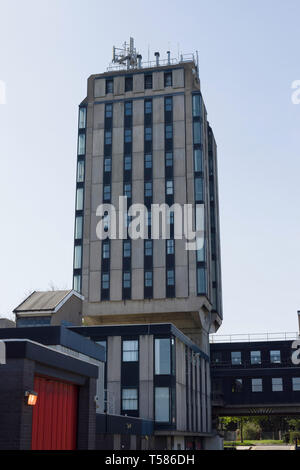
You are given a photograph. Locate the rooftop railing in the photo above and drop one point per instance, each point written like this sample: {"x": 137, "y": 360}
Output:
{"x": 253, "y": 337}
{"x": 153, "y": 63}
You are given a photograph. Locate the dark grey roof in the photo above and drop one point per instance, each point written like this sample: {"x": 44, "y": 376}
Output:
{"x": 44, "y": 301}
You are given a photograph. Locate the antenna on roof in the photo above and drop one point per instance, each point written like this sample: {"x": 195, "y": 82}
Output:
{"x": 127, "y": 55}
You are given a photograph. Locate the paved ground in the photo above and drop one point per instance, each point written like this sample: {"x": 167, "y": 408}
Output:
{"x": 266, "y": 447}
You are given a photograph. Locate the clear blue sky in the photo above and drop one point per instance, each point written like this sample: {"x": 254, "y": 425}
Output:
{"x": 249, "y": 57}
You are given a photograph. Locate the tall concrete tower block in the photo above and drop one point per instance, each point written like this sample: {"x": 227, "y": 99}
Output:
{"x": 143, "y": 133}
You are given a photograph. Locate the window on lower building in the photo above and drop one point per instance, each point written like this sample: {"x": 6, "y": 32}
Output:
{"x": 168, "y": 79}
{"x": 162, "y": 404}
{"x": 127, "y": 190}
{"x": 106, "y": 192}
{"x": 148, "y": 134}
{"x": 82, "y": 118}
{"x": 255, "y": 357}
{"x": 130, "y": 351}
{"x": 109, "y": 85}
{"x": 128, "y": 83}
{"x": 296, "y": 384}
{"x": 199, "y": 190}
{"x": 198, "y": 160}
{"x": 237, "y": 386}
{"x": 197, "y": 132}
{"x": 275, "y": 357}
{"x": 148, "y": 107}
{"x": 108, "y": 138}
{"x": 277, "y": 385}
{"x": 201, "y": 281}
{"x": 217, "y": 357}
{"x": 236, "y": 358}
{"x": 148, "y": 189}
{"x": 129, "y": 399}
{"x": 168, "y": 104}
{"x": 162, "y": 356}
{"x": 169, "y": 131}
{"x": 257, "y": 385}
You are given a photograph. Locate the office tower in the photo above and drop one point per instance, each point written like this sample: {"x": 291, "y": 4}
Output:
{"x": 144, "y": 134}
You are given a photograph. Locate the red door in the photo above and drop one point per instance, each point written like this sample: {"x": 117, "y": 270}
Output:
{"x": 54, "y": 420}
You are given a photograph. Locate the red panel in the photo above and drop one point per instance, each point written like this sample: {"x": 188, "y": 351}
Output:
{"x": 54, "y": 420}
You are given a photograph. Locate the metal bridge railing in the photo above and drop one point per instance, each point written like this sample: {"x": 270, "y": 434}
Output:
{"x": 254, "y": 337}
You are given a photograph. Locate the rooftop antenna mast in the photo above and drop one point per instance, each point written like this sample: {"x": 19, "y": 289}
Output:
{"x": 127, "y": 55}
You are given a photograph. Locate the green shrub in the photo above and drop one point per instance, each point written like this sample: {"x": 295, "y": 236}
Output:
{"x": 294, "y": 435}
{"x": 251, "y": 431}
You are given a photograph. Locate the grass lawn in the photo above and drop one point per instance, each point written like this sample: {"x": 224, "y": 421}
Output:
{"x": 252, "y": 443}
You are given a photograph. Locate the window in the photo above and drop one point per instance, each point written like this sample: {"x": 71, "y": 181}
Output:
{"x": 105, "y": 250}
{"x": 127, "y": 190}
{"x": 148, "y": 107}
{"x": 108, "y": 110}
{"x": 148, "y": 81}
{"x": 127, "y": 249}
{"x": 109, "y": 85}
{"x": 296, "y": 384}
{"x": 80, "y": 171}
{"x": 236, "y": 358}
{"x": 148, "y": 278}
{"x": 105, "y": 281}
{"x": 81, "y": 144}
{"x": 200, "y": 251}
{"x": 197, "y": 132}
{"x": 162, "y": 404}
{"x": 148, "y": 160}
{"x": 216, "y": 357}
{"x": 170, "y": 247}
{"x": 277, "y": 385}
{"x": 108, "y": 137}
{"x": 82, "y": 118}
{"x": 126, "y": 280}
{"x": 148, "y": 247}
{"x": 127, "y": 162}
{"x": 128, "y": 108}
{"x": 77, "y": 257}
{"x": 148, "y": 134}
{"x": 149, "y": 219}
{"x": 168, "y": 79}
{"x": 255, "y": 357}
{"x": 275, "y": 357}
{"x": 198, "y": 160}
{"x": 168, "y": 104}
{"x": 162, "y": 356}
{"x": 199, "y": 193}
{"x": 77, "y": 282}
{"x": 129, "y": 399}
{"x": 169, "y": 188}
{"x": 128, "y": 136}
{"x": 107, "y": 165}
{"x": 130, "y": 351}
{"x": 170, "y": 277}
{"x": 148, "y": 189}
{"x": 79, "y": 199}
{"x": 78, "y": 227}
{"x": 196, "y": 105}
{"x": 237, "y": 386}
{"x": 169, "y": 159}
{"x": 169, "y": 131}
{"x": 128, "y": 83}
{"x": 257, "y": 385}
{"x": 201, "y": 281}
{"x": 170, "y": 216}
{"x": 106, "y": 192}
